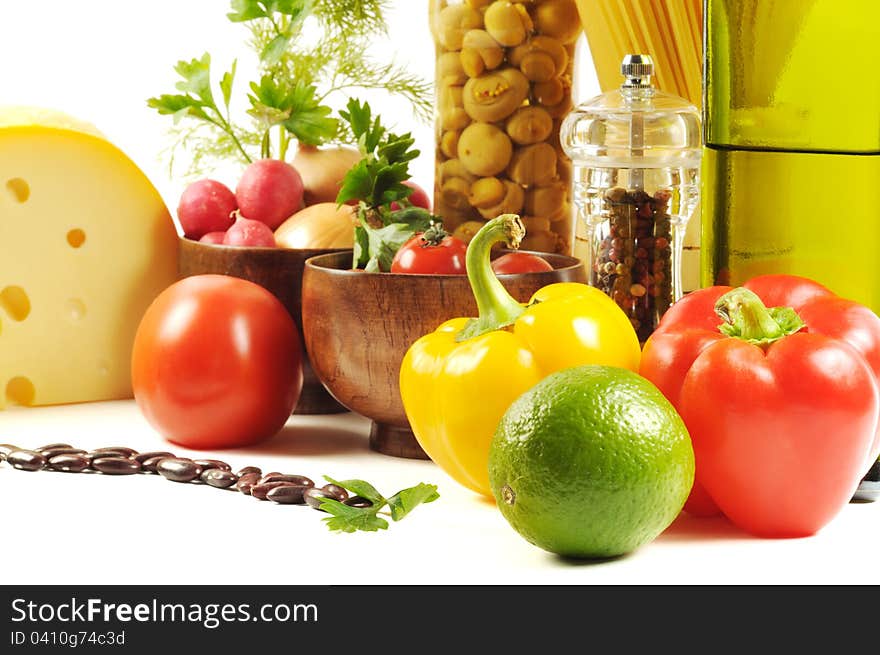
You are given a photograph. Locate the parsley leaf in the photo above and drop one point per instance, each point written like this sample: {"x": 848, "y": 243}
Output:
{"x": 377, "y": 181}
{"x": 309, "y": 120}
{"x": 352, "y": 519}
{"x": 345, "y": 518}
{"x": 296, "y": 108}
{"x": 406, "y": 500}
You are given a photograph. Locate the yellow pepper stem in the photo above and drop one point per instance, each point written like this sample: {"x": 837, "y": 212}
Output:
{"x": 497, "y": 308}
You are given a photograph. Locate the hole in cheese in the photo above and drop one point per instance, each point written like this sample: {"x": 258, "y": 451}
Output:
{"x": 16, "y": 303}
{"x": 20, "y": 391}
{"x": 19, "y": 189}
{"x": 76, "y": 309}
{"x": 76, "y": 238}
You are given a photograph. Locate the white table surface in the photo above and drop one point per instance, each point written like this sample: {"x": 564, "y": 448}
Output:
{"x": 76, "y": 529}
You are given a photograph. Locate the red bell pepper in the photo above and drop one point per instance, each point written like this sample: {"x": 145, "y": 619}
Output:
{"x": 782, "y": 404}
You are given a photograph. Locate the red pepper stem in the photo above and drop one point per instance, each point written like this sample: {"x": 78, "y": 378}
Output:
{"x": 746, "y": 317}
{"x": 497, "y": 308}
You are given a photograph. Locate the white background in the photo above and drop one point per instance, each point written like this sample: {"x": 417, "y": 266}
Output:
{"x": 100, "y": 60}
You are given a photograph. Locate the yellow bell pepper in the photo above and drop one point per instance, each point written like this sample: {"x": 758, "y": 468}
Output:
{"x": 457, "y": 382}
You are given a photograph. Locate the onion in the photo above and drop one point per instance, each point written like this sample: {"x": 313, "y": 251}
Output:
{"x": 324, "y": 225}
{"x": 322, "y": 170}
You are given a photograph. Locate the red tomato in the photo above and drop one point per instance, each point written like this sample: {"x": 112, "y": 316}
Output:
{"x": 216, "y": 363}
{"x": 443, "y": 256}
{"x": 520, "y": 262}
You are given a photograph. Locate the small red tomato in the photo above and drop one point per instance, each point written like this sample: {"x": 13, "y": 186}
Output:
{"x": 520, "y": 262}
{"x": 216, "y": 363}
{"x": 434, "y": 251}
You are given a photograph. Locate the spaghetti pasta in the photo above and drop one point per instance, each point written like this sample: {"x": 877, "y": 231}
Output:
{"x": 668, "y": 30}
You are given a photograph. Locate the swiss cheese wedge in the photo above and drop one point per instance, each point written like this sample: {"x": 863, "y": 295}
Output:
{"x": 86, "y": 244}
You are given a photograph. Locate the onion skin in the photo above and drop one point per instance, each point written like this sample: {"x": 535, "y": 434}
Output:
{"x": 322, "y": 226}
{"x": 322, "y": 170}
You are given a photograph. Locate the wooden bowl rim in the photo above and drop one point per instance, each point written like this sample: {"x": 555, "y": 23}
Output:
{"x": 316, "y": 263}
{"x": 300, "y": 252}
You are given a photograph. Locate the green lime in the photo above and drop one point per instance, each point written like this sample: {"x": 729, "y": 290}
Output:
{"x": 592, "y": 461}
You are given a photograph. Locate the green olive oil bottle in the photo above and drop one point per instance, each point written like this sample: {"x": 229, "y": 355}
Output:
{"x": 791, "y": 167}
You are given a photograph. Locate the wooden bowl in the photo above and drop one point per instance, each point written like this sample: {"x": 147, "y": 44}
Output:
{"x": 278, "y": 270}
{"x": 358, "y": 326}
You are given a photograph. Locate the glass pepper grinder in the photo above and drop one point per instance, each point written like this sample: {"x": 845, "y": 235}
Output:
{"x": 636, "y": 155}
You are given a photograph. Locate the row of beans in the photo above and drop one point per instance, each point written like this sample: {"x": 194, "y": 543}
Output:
{"x": 281, "y": 488}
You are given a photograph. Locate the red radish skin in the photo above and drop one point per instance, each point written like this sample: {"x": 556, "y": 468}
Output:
{"x": 246, "y": 232}
{"x": 269, "y": 191}
{"x": 206, "y": 206}
{"x": 213, "y": 237}
{"x": 418, "y": 198}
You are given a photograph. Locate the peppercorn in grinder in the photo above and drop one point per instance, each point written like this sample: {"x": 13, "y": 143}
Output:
{"x": 791, "y": 165}
{"x": 636, "y": 155}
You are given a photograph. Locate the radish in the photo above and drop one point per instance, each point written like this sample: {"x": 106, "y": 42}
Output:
{"x": 206, "y": 206}
{"x": 246, "y": 232}
{"x": 418, "y": 198}
{"x": 269, "y": 191}
{"x": 213, "y": 237}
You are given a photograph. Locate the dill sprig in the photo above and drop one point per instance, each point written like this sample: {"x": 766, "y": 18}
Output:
{"x": 311, "y": 59}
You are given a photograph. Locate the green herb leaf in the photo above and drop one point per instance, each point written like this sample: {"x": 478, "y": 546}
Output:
{"x": 275, "y": 48}
{"x": 361, "y": 255}
{"x": 352, "y": 519}
{"x": 178, "y": 106}
{"x": 270, "y": 102}
{"x": 309, "y": 120}
{"x": 196, "y": 75}
{"x": 366, "y": 130}
{"x": 359, "y": 488}
{"x": 226, "y": 83}
{"x": 244, "y": 10}
{"x": 406, "y": 500}
{"x": 397, "y": 149}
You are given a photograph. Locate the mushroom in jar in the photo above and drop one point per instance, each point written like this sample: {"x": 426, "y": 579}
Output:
{"x": 484, "y": 149}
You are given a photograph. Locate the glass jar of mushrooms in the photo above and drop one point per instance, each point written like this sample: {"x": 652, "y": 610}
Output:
{"x": 503, "y": 85}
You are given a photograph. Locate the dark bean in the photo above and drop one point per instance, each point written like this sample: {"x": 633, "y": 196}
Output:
{"x": 5, "y": 449}
{"x": 69, "y": 463}
{"x": 260, "y": 491}
{"x": 49, "y": 453}
{"x": 143, "y": 457}
{"x": 287, "y": 495}
{"x": 300, "y": 480}
{"x": 213, "y": 464}
{"x": 250, "y": 469}
{"x": 246, "y": 482}
{"x": 26, "y": 460}
{"x": 358, "y": 501}
{"x": 149, "y": 465}
{"x": 338, "y": 492}
{"x": 114, "y": 451}
{"x": 219, "y": 478}
{"x": 50, "y": 446}
{"x": 116, "y": 465}
{"x": 178, "y": 469}
{"x": 314, "y": 497}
